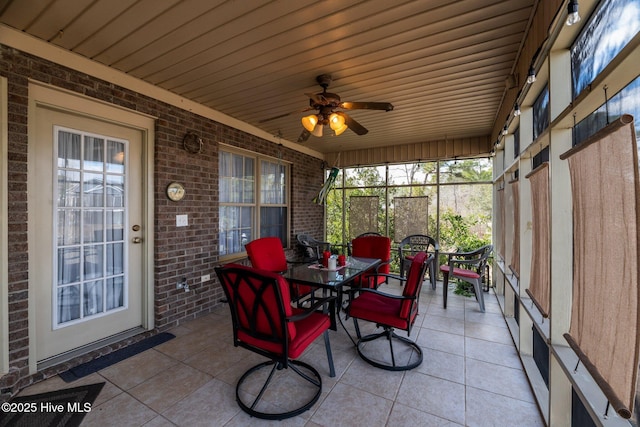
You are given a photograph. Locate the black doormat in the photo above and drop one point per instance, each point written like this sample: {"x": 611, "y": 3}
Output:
{"x": 114, "y": 357}
{"x": 61, "y": 408}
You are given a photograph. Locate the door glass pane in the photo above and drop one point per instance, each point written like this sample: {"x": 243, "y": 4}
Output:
{"x": 68, "y": 265}
{"x": 68, "y": 303}
{"x": 68, "y": 188}
{"x": 115, "y": 225}
{"x": 115, "y": 191}
{"x": 90, "y": 275}
{"x": 68, "y": 227}
{"x": 115, "y": 293}
{"x": 115, "y": 157}
{"x": 93, "y": 189}
{"x": 93, "y": 154}
{"x": 115, "y": 257}
{"x": 68, "y": 150}
{"x": 92, "y": 298}
{"x": 93, "y": 264}
{"x": 93, "y": 227}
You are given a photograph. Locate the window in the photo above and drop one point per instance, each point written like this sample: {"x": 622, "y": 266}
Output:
{"x": 541, "y": 113}
{"x": 254, "y": 200}
{"x": 90, "y": 218}
{"x": 609, "y": 30}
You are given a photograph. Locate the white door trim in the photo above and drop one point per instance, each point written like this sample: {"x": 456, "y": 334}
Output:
{"x": 4, "y": 231}
{"x": 63, "y": 100}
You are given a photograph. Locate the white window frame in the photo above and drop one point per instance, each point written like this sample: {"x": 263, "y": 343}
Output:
{"x": 257, "y": 204}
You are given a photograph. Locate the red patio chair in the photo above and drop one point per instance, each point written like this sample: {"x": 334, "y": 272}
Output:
{"x": 265, "y": 323}
{"x": 391, "y": 311}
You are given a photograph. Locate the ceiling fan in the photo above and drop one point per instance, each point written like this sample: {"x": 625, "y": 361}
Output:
{"x": 326, "y": 103}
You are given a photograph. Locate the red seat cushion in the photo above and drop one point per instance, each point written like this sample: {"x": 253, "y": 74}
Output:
{"x": 306, "y": 331}
{"x": 378, "y": 309}
{"x": 462, "y": 272}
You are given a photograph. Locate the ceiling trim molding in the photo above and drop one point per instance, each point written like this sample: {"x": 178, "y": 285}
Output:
{"x": 31, "y": 45}
{"x": 420, "y": 152}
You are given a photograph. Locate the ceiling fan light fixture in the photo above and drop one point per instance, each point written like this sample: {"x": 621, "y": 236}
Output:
{"x": 341, "y": 129}
{"x": 317, "y": 131}
{"x": 310, "y": 122}
{"x": 336, "y": 121}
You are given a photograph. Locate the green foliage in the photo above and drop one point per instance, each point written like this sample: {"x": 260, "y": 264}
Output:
{"x": 465, "y": 208}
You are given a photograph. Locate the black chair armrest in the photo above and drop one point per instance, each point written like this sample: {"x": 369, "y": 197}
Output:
{"x": 319, "y": 303}
{"x": 384, "y": 294}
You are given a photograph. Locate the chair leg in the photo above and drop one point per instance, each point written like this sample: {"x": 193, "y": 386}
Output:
{"x": 477, "y": 287}
{"x": 432, "y": 275}
{"x": 327, "y": 344}
{"x": 445, "y": 287}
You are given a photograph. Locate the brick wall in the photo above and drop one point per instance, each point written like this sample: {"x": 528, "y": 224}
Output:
{"x": 188, "y": 252}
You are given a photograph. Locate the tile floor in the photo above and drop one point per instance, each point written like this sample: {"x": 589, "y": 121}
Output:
{"x": 470, "y": 376}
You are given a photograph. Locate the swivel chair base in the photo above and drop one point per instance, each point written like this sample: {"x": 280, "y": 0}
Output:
{"x": 406, "y": 347}
{"x": 305, "y": 371}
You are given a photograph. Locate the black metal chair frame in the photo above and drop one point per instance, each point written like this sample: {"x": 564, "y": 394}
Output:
{"x": 278, "y": 334}
{"x": 389, "y": 331}
{"x": 312, "y": 247}
{"x": 413, "y": 244}
{"x": 476, "y": 261}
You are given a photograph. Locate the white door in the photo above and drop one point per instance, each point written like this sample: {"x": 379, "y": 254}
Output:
{"x": 85, "y": 219}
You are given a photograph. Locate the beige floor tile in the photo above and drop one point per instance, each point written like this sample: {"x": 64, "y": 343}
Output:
{"x": 373, "y": 380}
{"x": 349, "y": 406}
{"x": 443, "y": 365}
{"x": 216, "y": 358}
{"x": 182, "y": 347}
{"x": 212, "y": 404}
{"x": 498, "y": 379}
{"x": 166, "y": 389}
{"x": 487, "y": 409}
{"x": 487, "y": 351}
{"x": 442, "y": 398}
{"x": 122, "y": 410}
{"x": 488, "y": 333}
{"x": 443, "y": 324}
{"x": 137, "y": 369}
{"x": 159, "y": 421}
{"x": 442, "y": 341}
{"x": 403, "y": 415}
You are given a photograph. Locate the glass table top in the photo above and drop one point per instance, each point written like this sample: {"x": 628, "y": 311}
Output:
{"x": 315, "y": 274}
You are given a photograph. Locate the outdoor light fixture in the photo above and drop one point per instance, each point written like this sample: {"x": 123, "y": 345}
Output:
{"x": 531, "y": 77}
{"x": 505, "y": 130}
{"x": 574, "y": 16}
{"x": 310, "y": 122}
{"x": 516, "y": 110}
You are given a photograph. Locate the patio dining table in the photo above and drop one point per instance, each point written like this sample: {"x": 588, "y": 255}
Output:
{"x": 314, "y": 274}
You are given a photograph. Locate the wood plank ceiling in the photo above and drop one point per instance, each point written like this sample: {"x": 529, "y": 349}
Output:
{"x": 442, "y": 63}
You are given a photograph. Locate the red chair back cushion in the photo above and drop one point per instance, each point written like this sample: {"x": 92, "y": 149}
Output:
{"x": 414, "y": 282}
{"x": 260, "y": 310}
{"x": 373, "y": 247}
{"x": 266, "y": 253}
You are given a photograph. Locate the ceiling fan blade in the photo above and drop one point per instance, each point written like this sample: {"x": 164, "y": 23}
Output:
{"x": 304, "y": 135}
{"x": 386, "y": 106}
{"x": 285, "y": 115}
{"x": 317, "y": 98}
{"x": 352, "y": 124}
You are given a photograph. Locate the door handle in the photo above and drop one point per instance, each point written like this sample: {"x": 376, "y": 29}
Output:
{"x": 136, "y": 240}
